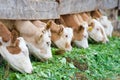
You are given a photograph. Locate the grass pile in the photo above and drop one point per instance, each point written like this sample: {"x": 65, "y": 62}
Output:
{"x": 98, "y": 62}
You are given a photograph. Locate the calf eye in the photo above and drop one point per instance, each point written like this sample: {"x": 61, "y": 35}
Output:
{"x": 66, "y": 36}
{"x": 43, "y": 31}
{"x": 50, "y": 36}
{"x": 97, "y": 29}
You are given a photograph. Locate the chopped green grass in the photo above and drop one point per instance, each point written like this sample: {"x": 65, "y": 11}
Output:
{"x": 98, "y": 62}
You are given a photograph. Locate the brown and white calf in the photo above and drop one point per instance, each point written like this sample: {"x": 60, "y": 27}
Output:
{"x": 14, "y": 50}
{"x": 37, "y": 39}
{"x": 80, "y": 34}
{"x": 95, "y": 30}
{"x": 104, "y": 21}
{"x": 61, "y": 36}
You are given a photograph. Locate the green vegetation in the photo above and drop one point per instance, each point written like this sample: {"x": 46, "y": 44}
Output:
{"x": 98, "y": 62}
{"x": 118, "y": 17}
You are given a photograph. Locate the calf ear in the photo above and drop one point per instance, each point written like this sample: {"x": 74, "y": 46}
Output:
{"x": 4, "y": 33}
{"x": 49, "y": 23}
{"x": 60, "y": 29}
{"x": 80, "y": 28}
{"x": 91, "y": 26}
{"x": 14, "y": 35}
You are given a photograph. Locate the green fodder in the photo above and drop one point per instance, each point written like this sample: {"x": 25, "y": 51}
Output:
{"x": 98, "y": 62}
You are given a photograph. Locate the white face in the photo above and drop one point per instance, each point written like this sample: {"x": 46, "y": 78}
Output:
{"x": 27, "y": 66}
{"x": 84, "y": 42}
{"x": 107, "y": 25}
{"x": 45, "y": 40}
{"x": 64, "y": 42}
{"x": 45, "y": 44}
{"x": 98, "y": 32}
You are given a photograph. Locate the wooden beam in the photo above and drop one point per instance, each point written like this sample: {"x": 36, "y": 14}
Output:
{"x": 28, "y": 9}
{"x": 107, "y": 4}
{"x": 49, "y": 9}
{"x": 77, "y": 6}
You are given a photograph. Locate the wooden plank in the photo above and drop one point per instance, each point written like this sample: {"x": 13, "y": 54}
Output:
{"x": 77, "y": 6}
{"x": 49, "y": 9}
{"x": 28, "y": 9}
{"x": 107, "y": 4}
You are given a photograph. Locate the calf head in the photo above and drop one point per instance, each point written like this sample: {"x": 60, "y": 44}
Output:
{"x": 61, "y": 36}
{"x": 97, "y": 32}
{"x": 43, "y": 39}
{"x": 81, "y": 36}
{"x": 104, "y": 21}
{"x": 15, "y": 52}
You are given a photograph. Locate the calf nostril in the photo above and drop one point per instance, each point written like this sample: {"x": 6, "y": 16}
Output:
{"x": 85, "y": 36}
{"x": 48, "y": 43}
{"x": 107, "y": 41}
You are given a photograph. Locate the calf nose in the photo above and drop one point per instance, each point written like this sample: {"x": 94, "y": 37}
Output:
{"x": 29, "y": 71}
{"x": 48, "y": 43}
{"x": 105, "y": 40}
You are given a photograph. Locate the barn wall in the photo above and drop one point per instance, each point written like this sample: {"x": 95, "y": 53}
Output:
{"x": 28, "y": 9}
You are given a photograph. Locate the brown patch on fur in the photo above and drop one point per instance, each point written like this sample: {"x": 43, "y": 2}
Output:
{"x": 58, "y": 21}
{"x": 86, "y": 17}
{"x": 39, "y": 24}
{"x": 49, "y": 23}
{"x": 96, "y": 14}
{"x": 0, "y": 44}
{"x": 79, "y": 18}
{"x": 55, "y": 36}
{"x": 92, "y": 24}
{"x": 56, "y": 31}
{"x": 14, "y": 36}
{"x": 78, "y": 33}
{"x": 71, "y": 20}
{"x": 14, "y": 49}
{"x": 4, "y": 33}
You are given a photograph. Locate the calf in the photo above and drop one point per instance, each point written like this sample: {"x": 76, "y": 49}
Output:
{"x": 104, "y": 21}
{"x": 79, "y": 29}
{"x": 61, "y": 36}
{"x": 95, "y": 29}
{"x": 14, "y": 50}
{"x": 37, "y": 39}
